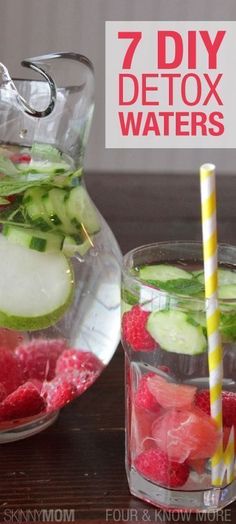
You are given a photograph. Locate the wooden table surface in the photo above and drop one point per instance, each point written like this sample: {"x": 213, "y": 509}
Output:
{"x": 78, "y": 463}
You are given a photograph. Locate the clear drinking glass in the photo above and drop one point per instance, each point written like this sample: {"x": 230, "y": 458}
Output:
{"x": 170, "y": 435}
{"x": 59, "y": 261}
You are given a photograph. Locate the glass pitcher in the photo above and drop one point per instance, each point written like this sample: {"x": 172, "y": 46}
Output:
{"x": 59, "y": 261}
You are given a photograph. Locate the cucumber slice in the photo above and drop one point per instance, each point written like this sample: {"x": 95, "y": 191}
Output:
{"x": 49, "y": 210}
{"x": 225, "y": 277}
{"x": 58, "y": 199}
{"x": 34, "y": 208}
{"x": 163, "y": 272}
{"x": 227, "y": 292}
{"x": 33, "y": 239}
{"x": 171, "y": 279}
{"x": 173, "y": 331}
{"x": 82, "y": 211}
{"x": 71, "y": 247}
{"x": 35, "y": 288}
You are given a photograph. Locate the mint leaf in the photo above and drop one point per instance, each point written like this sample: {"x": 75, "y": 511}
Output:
{"x": 129, "y": 298}
{"x": 45, "y": 152}
{"x": 228, "y": 325}
{"x": 179, "y": 286}
{"x": 11, "y": 186}
{"x": 7, "y": 167}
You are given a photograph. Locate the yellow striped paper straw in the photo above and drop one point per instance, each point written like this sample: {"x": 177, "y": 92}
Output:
{"x": 215, "y": 353}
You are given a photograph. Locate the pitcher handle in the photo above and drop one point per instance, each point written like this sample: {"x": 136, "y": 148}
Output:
{"x": 27, "y": 108}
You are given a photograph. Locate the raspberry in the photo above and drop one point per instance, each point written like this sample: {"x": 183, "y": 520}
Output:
{"x": 25, "y": 401}
{"x": 144, "y": 398}
{"x": 38, "y": 358}
{"x": 155, "y": 465}
{"x": 73, "y": 359}
{"x": 134, "y": 331}
{"x": 59, "y": 392}
{"x": 20, "y": 158}
{"x": 202, "y": 400}
{"x": 2, "y": 392}
{"x": 10, "y": 371}
{"x": 37, "y": 383}
{"x": 229, "y": 408}
{"x": 9, "y": 338}
{"x": 80, "y": 368}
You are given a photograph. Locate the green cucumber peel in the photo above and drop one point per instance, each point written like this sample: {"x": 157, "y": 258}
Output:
{"x": 196, "y": 321}
{"x": 34, "y": 324}
{"x": 191, "y": 320}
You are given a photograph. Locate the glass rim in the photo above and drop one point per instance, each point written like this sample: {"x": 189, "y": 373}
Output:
{"x": 127, "y": 257}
